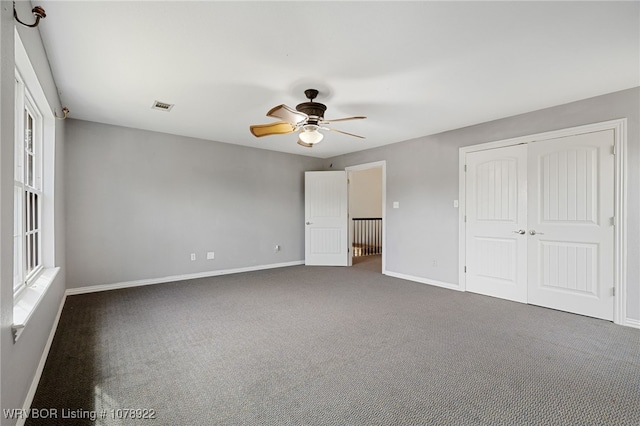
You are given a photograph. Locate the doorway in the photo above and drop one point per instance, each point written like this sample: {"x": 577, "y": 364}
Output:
{"x": 328, "y": 229}
{"x": 366, "y": 218}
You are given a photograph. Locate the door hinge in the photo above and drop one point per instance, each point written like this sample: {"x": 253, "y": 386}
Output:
{"x": 465, "y": 218}
{"x": 613, "y": 150}
{"x": 613, "y": 291}
{"x": 465, "y": 269}
{"x": 613, "y": 221}
{"x": 465, "y": 168}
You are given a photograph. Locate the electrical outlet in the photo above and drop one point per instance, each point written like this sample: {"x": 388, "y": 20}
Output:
{"x": 211, "y": 255}
{"x": 434, "y": 262}
{"x": 193, "y": 256}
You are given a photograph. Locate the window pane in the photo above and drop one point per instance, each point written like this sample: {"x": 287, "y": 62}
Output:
{"x": 32, "y": 257}
{"x": 26, "y": 209}
{"x": 29, "y": 177}
{"x": 36, "y": 253}
{"x": 29, "y": 253}
{"x": 28, "y": 147}
{"x": 31, "y": 212}
{"x": 34, "y": 223}
{"x": 28, "y": 134}
{"x": 36, "y": 218}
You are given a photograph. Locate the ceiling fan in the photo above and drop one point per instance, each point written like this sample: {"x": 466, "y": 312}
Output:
{"x": 307, "y": 119}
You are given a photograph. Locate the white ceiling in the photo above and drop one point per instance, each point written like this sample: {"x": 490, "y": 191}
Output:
{"x": 413, "y": 68}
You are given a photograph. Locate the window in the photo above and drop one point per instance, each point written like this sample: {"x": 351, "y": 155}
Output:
{"x": 27, "y": 242}
{"x": 34, "y": 268}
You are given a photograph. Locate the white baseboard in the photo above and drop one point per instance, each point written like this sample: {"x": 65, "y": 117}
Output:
{"x": 172, "y": 278}
{"x": 423, "y": 280}
{"x": 43, "y": 359}
{"x": 630, "y": 322}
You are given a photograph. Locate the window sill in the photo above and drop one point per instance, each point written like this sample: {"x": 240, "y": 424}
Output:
{"x": 27, "y": 302}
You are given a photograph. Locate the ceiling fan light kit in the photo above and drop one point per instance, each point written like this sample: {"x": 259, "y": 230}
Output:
{"x": 307, "y": 118}
{"x": 310, "y": 134}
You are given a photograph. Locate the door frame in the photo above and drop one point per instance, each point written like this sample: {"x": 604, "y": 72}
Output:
{"x": 377, "y": 164}
{"x": 619, "y": 127}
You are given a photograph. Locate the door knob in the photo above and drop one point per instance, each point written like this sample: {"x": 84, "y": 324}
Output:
{"x": 309, "y": 223}
{"x": 521, "y": 232}
{"x": 533, "y": 232}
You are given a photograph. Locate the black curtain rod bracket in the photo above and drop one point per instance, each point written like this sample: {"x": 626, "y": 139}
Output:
{"x": 65, "y": 112}
{"x": 37, "y": 11}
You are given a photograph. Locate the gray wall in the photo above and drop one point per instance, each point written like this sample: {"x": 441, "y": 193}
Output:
{"x": 140, "y": 202}
{"x": 422, "y": 174}
{"x": 19, "y": 361}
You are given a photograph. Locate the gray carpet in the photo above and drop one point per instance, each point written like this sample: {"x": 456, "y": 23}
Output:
{"x": 335, "y": 346}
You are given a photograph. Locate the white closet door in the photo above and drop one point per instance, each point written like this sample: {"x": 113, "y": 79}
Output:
{"x": 496, "y": 222}
{"x": 570, "y": 217}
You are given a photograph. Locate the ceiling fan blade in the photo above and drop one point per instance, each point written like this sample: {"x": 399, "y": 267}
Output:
{"x": 287, "y": 114}
{"x": 277, "y": 128}
{"x": 343, "y": 119}
{"x": 306, "y": 145}
{"x": 345, "y": 133}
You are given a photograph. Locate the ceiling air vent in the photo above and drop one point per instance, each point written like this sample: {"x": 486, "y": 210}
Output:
{"x": 162, "y": 106}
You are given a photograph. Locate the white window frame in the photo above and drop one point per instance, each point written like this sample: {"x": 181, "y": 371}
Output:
{"x": 27, "y": 186}
{"x": 32, "y": 286}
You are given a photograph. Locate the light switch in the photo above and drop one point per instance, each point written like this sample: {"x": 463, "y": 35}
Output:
{"x": 396, "y": 204}
{"x": 455, "y": 203}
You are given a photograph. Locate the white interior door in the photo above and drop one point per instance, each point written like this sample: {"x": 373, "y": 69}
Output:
{"x": 326, "y": 209}
{"x": 571, "y": 230}
{"x": 496, "y": 222}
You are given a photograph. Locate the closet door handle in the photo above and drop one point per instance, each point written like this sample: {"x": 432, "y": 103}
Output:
{"x": 309, "y": 223}
{"x": 533, "y": 232}
{"x": 521, "y": 232}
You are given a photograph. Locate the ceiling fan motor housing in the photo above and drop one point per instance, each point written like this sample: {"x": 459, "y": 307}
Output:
{"x": 314, "y": 110}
